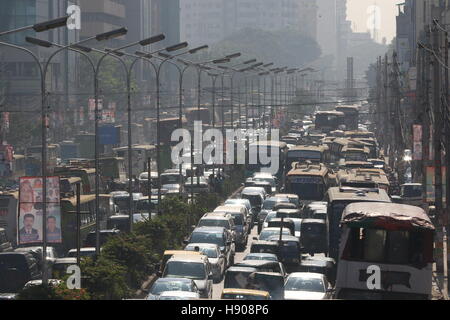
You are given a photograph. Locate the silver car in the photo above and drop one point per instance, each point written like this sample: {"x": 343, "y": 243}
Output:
{"x": 216, "y": 258}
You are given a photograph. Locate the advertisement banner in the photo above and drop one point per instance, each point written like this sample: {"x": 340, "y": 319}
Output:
{"x": 417, "y": 142}
{"x": 108, "y": 134}
{"x": 430, "y": 184}
{"x": 30, "y": 219}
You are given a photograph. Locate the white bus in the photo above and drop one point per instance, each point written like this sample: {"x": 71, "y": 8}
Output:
{"x": 386, "y": 252}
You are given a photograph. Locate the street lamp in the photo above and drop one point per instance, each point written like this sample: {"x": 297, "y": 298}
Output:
{"x": 167, "y": 58}
{"x": 41, "y": 26}
{"x": 201, "y": 66}
{"x": 43, "y": 68}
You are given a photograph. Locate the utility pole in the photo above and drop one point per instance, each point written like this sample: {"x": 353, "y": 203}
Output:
{"x": 425, "y": 116}
{"x": 437, "y": 133}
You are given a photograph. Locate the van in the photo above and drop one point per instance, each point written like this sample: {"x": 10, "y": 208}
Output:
{"x": 16, "y": 269}
{"x": 239, "y": 215}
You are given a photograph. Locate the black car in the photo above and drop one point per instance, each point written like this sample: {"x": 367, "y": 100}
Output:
{"x": 16, "y": 269}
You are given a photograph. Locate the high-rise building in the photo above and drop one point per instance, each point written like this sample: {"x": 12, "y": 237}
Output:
{"x": 333, "y": 32}
{"x": 18, "y": 67}
{"x": 210, "y": 21}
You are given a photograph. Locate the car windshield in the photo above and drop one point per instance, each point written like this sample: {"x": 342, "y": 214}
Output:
{"x": 232, "y": 201}
{"x": 161, "y": 286}
{"x": 170, "y": 179}
{"x": 214, "y": 223}
{"x": 270, "y": 180}
{"x": 266, "y": 234}
{"x": 238, "y": 219}
{"x": 312, "y": 228}
{"x": 304, "y": 284}
{"x": 255, "y": 200}
{"x": 411, "y": 191}
{"x": 208, "y": 237}
{"x": 258, "y": 257}
{"x": 122, "y": 202}
{"x": 208, "y": 251}
{"x": 269, "y": 204}
{"x": 270, "y": 216}
{"x": 185, "y": 269}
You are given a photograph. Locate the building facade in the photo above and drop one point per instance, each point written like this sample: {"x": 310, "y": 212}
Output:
{"x": 210, "y": 21}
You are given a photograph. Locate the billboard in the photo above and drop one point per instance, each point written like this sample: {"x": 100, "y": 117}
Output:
{"x": 431, "y": 183}
{"x": 417, "y": 142}
{"x": 30, "y": 220}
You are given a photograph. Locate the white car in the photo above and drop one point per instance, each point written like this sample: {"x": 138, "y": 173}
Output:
{"x": 306, "y": 286}
{"x": 179, "y": 295}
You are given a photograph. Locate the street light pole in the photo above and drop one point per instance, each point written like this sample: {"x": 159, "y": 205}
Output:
{"x": 43, "y": 72}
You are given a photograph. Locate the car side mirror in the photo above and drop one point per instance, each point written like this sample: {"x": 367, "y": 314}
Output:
{"x": 210, "y": 276}
{"x": 229, "y": 243}
{"x": 159, "y": 274}
{"x": 185, "y": 241}
{"x": 255, "y": 238}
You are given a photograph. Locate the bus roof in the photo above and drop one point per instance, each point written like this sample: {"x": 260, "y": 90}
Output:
{"x": 363, "y": 175}
{"x": 279, "y": 144}
{"x": 349, "y": 109}
{"x": 83, "y": 199}
{"x": 357, "y": 194}
{"x": 372, "y": 214}
{"x": 308, "y": 148}
{"x": 136, "y": 147}
{"x": 332, "y": 113}
{"x": 299, "y": 169}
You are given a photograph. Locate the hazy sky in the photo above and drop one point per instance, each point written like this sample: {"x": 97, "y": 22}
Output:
{"x": 361, "y": 14}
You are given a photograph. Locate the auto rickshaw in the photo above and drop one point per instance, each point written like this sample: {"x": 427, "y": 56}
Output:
{"x": 314, "y": 236}
{"x": 244, "y": 294}
{"x": 289, "y": 250}
{"x": 282, "y": 223}
{"x": 237, "y": 277}
{"x": 261, "y": 246}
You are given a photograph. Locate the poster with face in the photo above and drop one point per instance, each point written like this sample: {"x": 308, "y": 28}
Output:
{"x": 31, "y": 224}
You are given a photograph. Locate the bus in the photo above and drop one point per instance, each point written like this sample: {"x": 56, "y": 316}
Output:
{"x": 33, "y": 161}
{"x": 87, "y": 218}
{"x": 337, "y": 199}
{"x": 18, "y": 166}
{"x": 351, "y": 114}
{"x": 363, "y": 178}
{"x": 269, "y": 147}
{"x": 359, "y": 134}
{"x": 140, "y": 155}
{"x": 9, "y": 209}
{"x": 87, "y": 176}
{"x": 304, "y": 153}
{"x": 327, "y": 121}
{"x": 397, "y": 239}
{"x": 355, "y": 154}
{"x": 308, "y": 181}
{"x": 9, "y": 206}
{"x": 194, "y": 114}
{"x": 111, "y": 168}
